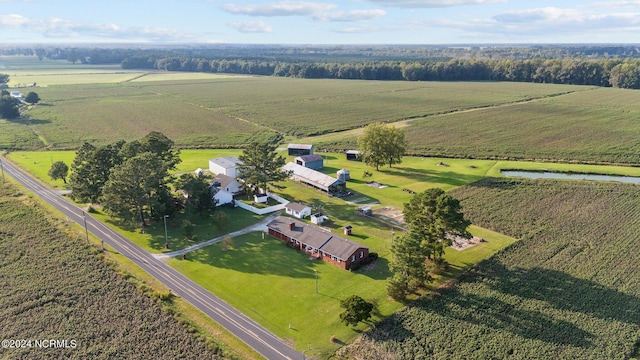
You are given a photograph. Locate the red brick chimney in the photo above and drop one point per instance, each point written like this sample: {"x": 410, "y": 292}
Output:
{"x": 292, "y": 226}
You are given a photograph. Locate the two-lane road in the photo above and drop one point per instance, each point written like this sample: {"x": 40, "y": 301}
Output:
{"x": 264, "y": 342}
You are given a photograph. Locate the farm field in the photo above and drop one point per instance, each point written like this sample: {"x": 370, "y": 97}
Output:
{"x": 568, "y": 289}
{"x": 592, "y": 126}
{"x": 55, "y": 286}
{"x": 451, "y": 119}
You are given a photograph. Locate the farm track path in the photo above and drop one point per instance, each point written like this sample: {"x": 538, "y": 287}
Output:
{"x": 244, "y": 328}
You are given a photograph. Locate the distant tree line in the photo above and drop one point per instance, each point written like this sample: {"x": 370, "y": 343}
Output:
{"x": 601, "y": 72}
{"x": 598, "y": 65}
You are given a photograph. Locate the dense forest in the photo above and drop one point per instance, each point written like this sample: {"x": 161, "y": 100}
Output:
{"x": 599, "y": 65}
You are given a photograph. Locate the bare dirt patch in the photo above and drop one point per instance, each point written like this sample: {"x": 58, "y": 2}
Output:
{"x": 390, "y": 214}
{"x": 459, "y": 243}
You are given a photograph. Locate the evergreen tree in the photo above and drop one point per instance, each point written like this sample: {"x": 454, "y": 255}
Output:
{"x": 261, "y": 165}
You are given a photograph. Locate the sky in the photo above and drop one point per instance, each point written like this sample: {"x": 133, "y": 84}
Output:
{"x": 308, "y": 22}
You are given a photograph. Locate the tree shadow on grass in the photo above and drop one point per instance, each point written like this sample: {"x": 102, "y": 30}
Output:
{"x": 437, "y": 177}
{"x": 252, "y": 255}
{"x": 26, "y": 120}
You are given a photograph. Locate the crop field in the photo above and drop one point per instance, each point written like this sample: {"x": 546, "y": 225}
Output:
{"x": 205, "y": 110}
{"x": 306, "y": 107}
{"x": 54, "y": 286}
{"x": 102, "y": 114}
{"x": 567, "y": 290}
{"x": 593, "y": 126}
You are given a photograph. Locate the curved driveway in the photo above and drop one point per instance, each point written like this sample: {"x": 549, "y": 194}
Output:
{"x": 264, "y": 342}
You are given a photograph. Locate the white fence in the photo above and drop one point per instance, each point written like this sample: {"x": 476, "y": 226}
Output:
{"x": 283, "y": 202}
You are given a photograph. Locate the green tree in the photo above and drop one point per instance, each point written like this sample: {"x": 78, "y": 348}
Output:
{"x": 136, "y": 189}
{"x": 59, "y": 170}
{"x": 261, "y": 165}
{"x": 91, "y": 168}
{"x": 199, "y": 198}
{"x": 4, "y": 78}
{"x": 382, "y": 144}
{"x": 356, "y": 310}
{"x": 433, "y": 217}
{"x": 32, "y": 98}
{"x": 9, "y": 107}
{"x": 157, "y": 143}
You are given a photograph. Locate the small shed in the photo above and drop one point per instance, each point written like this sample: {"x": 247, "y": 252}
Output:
{"x": 299, "y": 149}
{"x": 318, "y": 218}
{"x": 347, "y": 230}
{"x": 297, "y": 210}
{"x": 344, "y": 175}
{"x": 312, "y": 161}
{"x": 260, "y": 198}
{"x": 353, "y": 155}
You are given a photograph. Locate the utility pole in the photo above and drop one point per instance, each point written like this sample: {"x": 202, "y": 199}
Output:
{"x": 86, "y": 232}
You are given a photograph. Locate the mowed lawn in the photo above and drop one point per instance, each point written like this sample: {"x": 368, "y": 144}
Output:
{"x": 275, "y": 285}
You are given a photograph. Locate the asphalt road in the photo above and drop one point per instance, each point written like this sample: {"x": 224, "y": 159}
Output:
{"x": 264, "y": 342}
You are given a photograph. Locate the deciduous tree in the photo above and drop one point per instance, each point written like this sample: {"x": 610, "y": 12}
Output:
{"x": 382, "y": 144}
{"x": 32, "y": 98}
{"x": 59, "y": 170}
{"x": 9, "y": 107}
{"x": 356, "y": 310}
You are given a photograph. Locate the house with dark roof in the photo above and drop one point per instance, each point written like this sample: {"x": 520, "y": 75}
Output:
{"x": 313, "y": 161}
{"x": 317, "y": 242}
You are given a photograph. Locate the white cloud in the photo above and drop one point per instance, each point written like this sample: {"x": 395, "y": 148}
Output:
{"x": 620, "y": 3}
{"x": 548, "y": 14}
{"x": 431, "y": 3}
{"x": 283, "y": 8}
{"x": 13, "y": 20}
{"x": 547, "y": 22}
{"x": 252, "y": 27}
{"x": 60, "y": 28}
{"x": 351, "y": 16}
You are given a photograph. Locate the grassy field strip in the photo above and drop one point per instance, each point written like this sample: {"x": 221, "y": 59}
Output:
{"x": 494, "y": 171}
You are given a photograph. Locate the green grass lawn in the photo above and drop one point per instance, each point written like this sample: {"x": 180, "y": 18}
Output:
{"x": 275, "y": 285}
